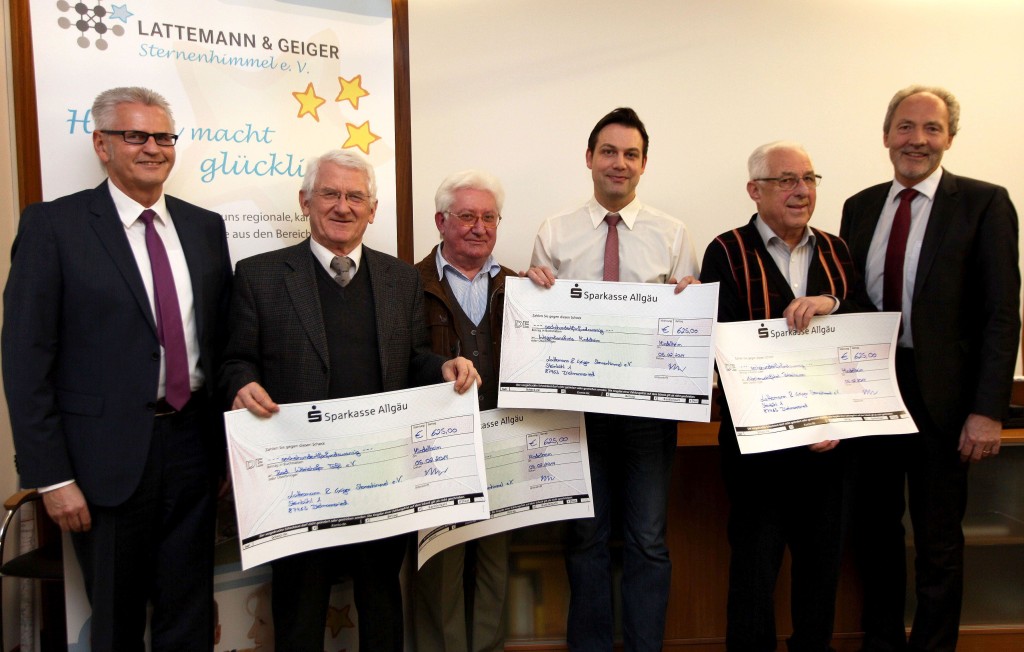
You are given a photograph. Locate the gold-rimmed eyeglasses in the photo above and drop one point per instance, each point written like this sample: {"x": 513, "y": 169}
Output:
{"x": 468, "y": 218}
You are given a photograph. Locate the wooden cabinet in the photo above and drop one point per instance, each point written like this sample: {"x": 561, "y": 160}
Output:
{"x": 993, "y": 613}
{"x": 994, "y": 537}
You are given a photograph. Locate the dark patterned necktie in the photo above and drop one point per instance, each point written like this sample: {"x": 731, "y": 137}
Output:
{"x": 342, "y": 267}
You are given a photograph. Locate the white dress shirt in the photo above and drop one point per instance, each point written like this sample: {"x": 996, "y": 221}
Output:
{"x": 129, "y": 210}
{"x": 653, "y": 246}
{"x": 920, "y": 211}
{"x": 793, "y": 263}
{"x": 325, "y": 256}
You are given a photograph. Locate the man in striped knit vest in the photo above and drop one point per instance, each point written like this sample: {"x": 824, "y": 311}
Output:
{"x": 777, "y": 266}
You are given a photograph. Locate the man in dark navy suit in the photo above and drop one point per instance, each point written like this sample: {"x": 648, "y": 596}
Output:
{"x": 114, "y": 315}
{"x": 942, "y": 250}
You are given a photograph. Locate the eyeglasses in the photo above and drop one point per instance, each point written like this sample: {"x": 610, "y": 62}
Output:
{"x": 490, "y": 220}
{"x": 353, "y": 199}
{"x": 788, "y": 183}
{"x": 140, "y": 137}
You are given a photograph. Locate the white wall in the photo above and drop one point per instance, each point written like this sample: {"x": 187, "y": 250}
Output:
{"x": 515, "y": 86}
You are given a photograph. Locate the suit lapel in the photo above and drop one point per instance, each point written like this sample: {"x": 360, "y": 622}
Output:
{"x": 943, "y": 211}
{"x": 860, "y": 237}
{"x": 110, "y": 230}
{"x": 304, "y": 294}
{"x": 381, "y": 284}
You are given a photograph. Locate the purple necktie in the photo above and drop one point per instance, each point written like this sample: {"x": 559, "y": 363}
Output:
{"x": 895, "y": 252}
{"x": 168, "y": 318}
{"x": 611, "y": 248}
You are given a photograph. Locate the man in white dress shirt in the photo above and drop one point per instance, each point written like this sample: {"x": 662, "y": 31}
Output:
{"x": 115, "y": 315}
{"x": 615, "y": 237}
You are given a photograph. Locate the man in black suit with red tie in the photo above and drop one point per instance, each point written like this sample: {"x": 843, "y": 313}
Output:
{"x": 114, "y": 317}
{"x": 942, "y": 250}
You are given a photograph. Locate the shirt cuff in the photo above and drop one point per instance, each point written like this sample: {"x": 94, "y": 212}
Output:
{"x": 836, "y": 306}
{"x": 52, "y": 487}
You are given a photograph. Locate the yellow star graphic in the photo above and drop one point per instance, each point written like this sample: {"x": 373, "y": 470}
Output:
{"x": 360, "y": 137}
{"x": 338, "y": 619}
{"x": 351, "y": 90}
{"x": 309, "y": 102}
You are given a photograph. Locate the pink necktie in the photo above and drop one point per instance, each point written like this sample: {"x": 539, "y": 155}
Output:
{"x": 892, "y": 279}
{"x": 168, "y": 318}
{"x": 611, "y": 248}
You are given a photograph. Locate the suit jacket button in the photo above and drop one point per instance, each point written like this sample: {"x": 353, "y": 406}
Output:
{"x": 151, "y": 405}
{"x": 155, "y": 355}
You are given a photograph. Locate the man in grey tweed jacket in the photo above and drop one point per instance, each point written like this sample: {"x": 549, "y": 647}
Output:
{"x": 280, "y": 350}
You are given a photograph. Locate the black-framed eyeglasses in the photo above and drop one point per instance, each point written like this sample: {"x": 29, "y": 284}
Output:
{"x": 133, "y": 137}
{"x": 790, "y": 182}
{"x": 490, "y": 220}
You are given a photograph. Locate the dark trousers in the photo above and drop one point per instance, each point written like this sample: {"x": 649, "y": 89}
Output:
{"x": 157, "y": 547}
{"x": 631, "y": 466}
{"x": 925, "y": 467}
{"x": 777, "y": 499}
{"x": 302, "y": 589}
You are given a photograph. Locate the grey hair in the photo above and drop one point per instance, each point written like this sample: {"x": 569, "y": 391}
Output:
{"x": 105, "y": 104}
{"x": 952, "y": 105}
{"x": 342, "y": 159}
{"x": 471, "y": 180}
{"x": 757, "y": 164}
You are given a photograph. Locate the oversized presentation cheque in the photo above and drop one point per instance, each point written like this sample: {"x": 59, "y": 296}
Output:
{"x": 538, "y": 471}
{"x": 329, "y": 473}
{"x": 834, "y": 380}
{"x": 619, "y": 348}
